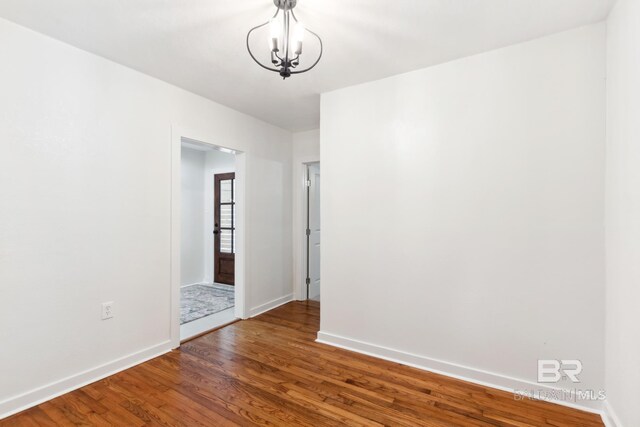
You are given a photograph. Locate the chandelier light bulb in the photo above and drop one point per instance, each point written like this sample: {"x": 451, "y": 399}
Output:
{"x": 298, "y": 38}
{"x": 275, "y": 35}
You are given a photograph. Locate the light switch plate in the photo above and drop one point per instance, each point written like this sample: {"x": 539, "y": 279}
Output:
{"x": 107, "y": 310}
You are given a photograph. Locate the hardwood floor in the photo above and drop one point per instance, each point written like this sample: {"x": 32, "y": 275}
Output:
{"x": 269, "y": 371}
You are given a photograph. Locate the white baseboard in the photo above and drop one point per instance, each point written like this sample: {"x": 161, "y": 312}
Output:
{"x": 609, "y": 417}
{"x": 270, "y": 305}
{"x": 465, "y": 373}
{"x": 34, "y": 397}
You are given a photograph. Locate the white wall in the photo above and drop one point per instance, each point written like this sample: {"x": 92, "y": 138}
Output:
{"x": 192, "y": 237}
{"x": 215, "y": 162}
{"x": 85, "y": 179}
{"x": 623, "y": 212}
{"x": 305, "y": 149}
{"x": 306, "y": 145}
{"x": 463, "y": 211}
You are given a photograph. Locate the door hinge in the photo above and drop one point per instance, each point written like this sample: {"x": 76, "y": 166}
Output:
{"x": 308, "y": 280}
{"x": 307, "y": 183}
{"x": 308, "y": 232}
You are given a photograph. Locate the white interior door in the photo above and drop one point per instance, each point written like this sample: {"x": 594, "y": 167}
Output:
{"x": 314, "y": 227}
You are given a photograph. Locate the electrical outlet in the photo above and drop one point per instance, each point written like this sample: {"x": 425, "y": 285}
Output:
{"x": 107, "y": 310}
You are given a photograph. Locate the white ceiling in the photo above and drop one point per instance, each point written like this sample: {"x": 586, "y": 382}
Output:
{"x": 199, "y": 45}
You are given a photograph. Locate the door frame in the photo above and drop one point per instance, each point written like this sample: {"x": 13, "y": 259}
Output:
{"x": 299, "y": 226}
{"x": 178, "y": 134}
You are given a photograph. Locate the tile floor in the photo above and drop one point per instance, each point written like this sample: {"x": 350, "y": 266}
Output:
{"x": 198, "y": 301}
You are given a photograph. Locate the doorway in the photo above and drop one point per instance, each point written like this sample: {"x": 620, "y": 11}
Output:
{"x": 208, "y": 238}
{"x": 313, "y": 231}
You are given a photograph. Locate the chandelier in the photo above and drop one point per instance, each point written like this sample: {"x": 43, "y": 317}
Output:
{"x": 286, "y": 36}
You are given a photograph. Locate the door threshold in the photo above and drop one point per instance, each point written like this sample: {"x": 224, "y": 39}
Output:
{"x": 207, "y": 324}
{"x": 209, "y": 331}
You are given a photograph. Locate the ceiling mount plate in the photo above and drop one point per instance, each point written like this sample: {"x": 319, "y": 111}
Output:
{"x": 282, "y": 3}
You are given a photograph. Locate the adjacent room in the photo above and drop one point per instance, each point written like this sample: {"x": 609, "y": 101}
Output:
{"x": 320, "y": 213}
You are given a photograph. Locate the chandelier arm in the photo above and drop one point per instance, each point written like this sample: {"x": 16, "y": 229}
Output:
{"x": 249, "y": 49}
{"x": 319, "y": 56}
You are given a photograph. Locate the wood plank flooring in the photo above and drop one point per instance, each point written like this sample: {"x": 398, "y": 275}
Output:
{"x": 270, "y": 371}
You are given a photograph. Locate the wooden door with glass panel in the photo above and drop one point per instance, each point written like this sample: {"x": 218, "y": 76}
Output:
{"x": 224, "y": 229}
